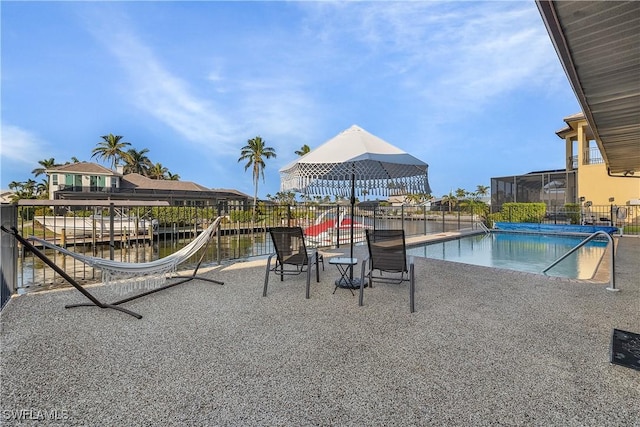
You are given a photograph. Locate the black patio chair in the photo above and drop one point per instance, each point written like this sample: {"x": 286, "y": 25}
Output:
{"x": 292, "y": 256}
{"x": 387, "y": 262}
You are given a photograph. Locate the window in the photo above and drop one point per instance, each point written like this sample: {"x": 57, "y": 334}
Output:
{"x": 54, "y": 179}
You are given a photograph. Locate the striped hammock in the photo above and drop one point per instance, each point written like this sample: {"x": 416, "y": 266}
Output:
{"x": 143, "y": 275}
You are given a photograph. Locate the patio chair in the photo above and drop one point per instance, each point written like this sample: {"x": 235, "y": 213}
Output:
{"x": 292, "y": 256}
{"x": 387, "y": 262}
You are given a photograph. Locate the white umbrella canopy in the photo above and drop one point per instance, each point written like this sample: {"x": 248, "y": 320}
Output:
{"x": 353, "y": 162}
{"x": 356, "y": 159}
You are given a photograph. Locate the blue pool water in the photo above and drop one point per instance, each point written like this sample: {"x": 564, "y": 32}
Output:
{"x": 521, "y": 252}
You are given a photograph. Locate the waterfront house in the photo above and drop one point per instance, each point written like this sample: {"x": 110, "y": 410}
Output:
{"x": 91, "y": 181}
{"x": 585, "y": 178}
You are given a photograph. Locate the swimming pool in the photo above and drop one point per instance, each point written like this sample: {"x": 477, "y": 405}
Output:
{"x": 529, "y": 252}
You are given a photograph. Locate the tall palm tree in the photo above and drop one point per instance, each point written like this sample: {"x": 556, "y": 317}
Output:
{"x": 482, "y": 190}
{"x": 303, "y": 150}
{"x": 450, "y": 200}
{"x": 137, "y": 161}
{"x": 157, "y": 171}
{"x": 461, "y": 193}
{"x": 42, "y": 189}
{"x": 173, "y": 177}
{"x": 44, "y": 165}
{"x": 111, "y": 148}
{"x": 254, "y": 153}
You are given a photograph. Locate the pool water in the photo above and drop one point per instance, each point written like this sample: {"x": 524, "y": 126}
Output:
{"x": 529, "y": 252}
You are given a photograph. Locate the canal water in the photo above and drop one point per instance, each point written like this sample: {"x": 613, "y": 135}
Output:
{"x": 33, "y": 274}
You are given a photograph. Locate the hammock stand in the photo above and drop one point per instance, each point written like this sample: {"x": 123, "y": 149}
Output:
{"x": 94, "y": 301}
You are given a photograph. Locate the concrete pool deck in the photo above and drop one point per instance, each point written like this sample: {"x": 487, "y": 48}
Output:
{"x": 485, "y": 346}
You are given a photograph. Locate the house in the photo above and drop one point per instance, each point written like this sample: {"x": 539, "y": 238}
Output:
{"x": 555, "y": 188}
{"x": 91, "y": 181}
{"x": 585, "y": 177}
{"x": 594, "y": 182}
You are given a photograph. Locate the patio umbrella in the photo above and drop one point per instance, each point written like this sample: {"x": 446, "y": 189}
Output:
{"x": 352, "y": 162}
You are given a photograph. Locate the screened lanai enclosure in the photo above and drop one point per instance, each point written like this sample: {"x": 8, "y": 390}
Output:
{"x": 554, "y": 188}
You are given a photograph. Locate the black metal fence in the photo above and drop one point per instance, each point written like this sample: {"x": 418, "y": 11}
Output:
{"x": 625, "y": 217}
{"x": 144, "y": 233}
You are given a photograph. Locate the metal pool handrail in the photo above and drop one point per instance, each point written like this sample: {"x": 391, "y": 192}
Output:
{"x": 612, "y": 274}
{"x": 483, "y": 227}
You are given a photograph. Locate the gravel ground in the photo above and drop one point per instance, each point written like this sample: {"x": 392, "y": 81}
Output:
{"x": 485, "y": 346}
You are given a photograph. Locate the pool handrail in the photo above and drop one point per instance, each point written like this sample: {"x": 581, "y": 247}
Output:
{"x": 612, "y": 273}
{"x": 483, "y": 227}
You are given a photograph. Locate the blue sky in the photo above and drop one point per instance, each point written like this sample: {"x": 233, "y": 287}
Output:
{"x": 474, "y": 89}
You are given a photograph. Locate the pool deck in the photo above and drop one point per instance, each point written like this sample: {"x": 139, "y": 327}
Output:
{"x": 485, "y": 346}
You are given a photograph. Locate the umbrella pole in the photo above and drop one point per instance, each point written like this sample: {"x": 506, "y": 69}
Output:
{"x": 353, "y": 204}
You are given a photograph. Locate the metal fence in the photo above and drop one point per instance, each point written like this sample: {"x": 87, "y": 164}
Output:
{"x": 626, "y": 217}
{"x": 145, "y": 233}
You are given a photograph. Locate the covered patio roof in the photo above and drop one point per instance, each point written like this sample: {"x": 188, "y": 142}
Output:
{"x": 598, "y": 44}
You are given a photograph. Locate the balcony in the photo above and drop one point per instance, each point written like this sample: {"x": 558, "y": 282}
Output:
{"x": 85, "y": 189}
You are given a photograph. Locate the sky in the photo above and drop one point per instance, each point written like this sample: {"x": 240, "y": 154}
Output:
{"x": 474, "y": 89}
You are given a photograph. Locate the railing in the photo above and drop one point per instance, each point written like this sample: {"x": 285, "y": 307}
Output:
{"x": 625, "y": 217}
{"x": 592, "y": 156}
{"x": 144, "y": 233}
{"x": 612, "y": 271}
{"x": 483, "y": 227}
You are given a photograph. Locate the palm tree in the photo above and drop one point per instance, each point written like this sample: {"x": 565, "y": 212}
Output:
{"x": 254, "y": 153}
{"x": 42, "y": 189}
{"x": 45, "y": 164}
{"x": 303, "y": 150}
{"x": 137, "y": 162}
{"x": 173, "y": 177}
{"x": 111, "y": 149}
{"x": 482, "y": 190}
{"x": 450, "y": 200}
{"x": 157, "y": 171}
{"x": 461, "y": 193}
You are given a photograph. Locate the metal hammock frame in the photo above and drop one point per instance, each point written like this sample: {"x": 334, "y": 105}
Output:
{"x": 159, "y": 268}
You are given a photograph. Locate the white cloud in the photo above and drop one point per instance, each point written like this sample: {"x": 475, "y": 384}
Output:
{"x": 167, "y": 97}
{"x": 458, "y": 56}
{"x": 267, "y": 104}
{"x": 19, "y": 145}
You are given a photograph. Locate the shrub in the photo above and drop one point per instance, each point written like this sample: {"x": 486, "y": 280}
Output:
{"x": 572, "y": 210}
{"x": 523, "y": 212}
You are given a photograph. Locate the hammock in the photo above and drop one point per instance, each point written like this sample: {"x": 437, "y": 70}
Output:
{"x": 143, "y": 275}
{"x": 145, "y": 270}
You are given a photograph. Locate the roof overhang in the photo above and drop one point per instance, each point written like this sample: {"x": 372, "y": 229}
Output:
{"x": 598, "y": 43}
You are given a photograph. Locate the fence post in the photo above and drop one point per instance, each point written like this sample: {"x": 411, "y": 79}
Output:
{"x": 338, "y": 224}
{"x": 112, "y": 244}
{"x": 375, "y": 210}
{"x": 424, "y": 214}
{"x": 8, "y": 254}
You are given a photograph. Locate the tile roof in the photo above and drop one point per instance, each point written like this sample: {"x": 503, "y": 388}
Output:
{"x": 135, "y": 180}
{"x": 84, "y": 167}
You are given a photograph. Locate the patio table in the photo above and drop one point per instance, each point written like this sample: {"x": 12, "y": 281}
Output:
{"x": 344, "y": 266}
